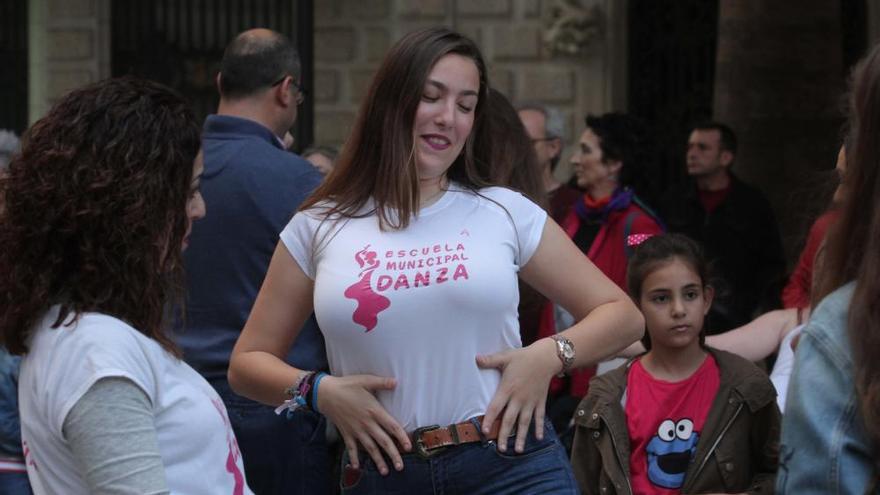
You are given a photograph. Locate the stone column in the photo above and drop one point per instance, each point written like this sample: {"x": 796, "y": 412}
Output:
{"x": 873, "y": 7}
{"x": 69, "y": 47}
{"x": 778, "y": 83}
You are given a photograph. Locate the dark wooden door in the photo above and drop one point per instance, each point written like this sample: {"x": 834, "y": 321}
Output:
{"x": 672, "y": 46}
{"x": 180, "y": 43}
{"x": 13, "y": 65}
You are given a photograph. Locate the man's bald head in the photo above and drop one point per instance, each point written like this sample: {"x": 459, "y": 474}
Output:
{"x": 255, "y": 60}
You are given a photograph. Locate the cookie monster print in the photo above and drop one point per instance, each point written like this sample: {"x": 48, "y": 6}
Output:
{"x": 670, "y": 452}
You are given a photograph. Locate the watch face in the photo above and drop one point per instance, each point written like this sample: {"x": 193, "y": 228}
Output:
{"x": 568, "y": 352}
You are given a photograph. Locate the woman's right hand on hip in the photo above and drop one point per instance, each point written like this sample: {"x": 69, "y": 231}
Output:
{"x": 349, "y": 402}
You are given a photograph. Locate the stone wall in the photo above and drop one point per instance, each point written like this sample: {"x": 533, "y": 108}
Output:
{"x": 69, "y": 47}
{"x": 352, "y": 36}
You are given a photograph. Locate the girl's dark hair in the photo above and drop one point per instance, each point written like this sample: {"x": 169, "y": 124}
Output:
{"x": 378, "y": 160}
{"x": 626, "y": 138}
{"x": 93, "y": 209}
{"x": 853, "y": 243}
{"x": 660, "y": 250}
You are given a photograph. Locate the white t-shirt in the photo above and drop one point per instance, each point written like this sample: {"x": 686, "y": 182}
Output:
{"x": 783, "y": 366}
{"x": 195, "y": 439}
{"x": 420, "y": 304}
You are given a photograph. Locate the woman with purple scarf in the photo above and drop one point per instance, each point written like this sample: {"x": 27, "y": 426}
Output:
{"x": 610, "y": 163}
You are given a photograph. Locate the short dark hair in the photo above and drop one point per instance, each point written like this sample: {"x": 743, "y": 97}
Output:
{"x": 659, "y": 250}
{"x": 625, "y": 138}
{"x": 728, "y": 137}
{"x": 252, "y": 62}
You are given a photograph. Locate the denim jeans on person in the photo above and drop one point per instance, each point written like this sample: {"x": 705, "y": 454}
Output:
{"x": 473, "y": 468}
{"x": 14, "y": 483}
{"x": 281, "y": 455}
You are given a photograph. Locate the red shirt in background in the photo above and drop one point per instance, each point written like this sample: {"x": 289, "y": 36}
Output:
{"x": 664, "y": 420}
{"x": 712, "y": 199}
{"x": 561, "y": 200}
{"x": 796, "y": 293}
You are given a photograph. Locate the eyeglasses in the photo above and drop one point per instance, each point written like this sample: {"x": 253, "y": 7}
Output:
{"x": 301, "y": 93}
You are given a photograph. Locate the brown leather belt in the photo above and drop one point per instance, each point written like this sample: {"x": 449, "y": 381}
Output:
{"x": 428, "y": 440}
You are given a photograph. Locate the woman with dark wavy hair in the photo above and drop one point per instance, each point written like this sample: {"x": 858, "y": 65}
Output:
{"x": 831, "y": 427}
{"x": 410, "y": 259}
{"x": 97, "y": 208}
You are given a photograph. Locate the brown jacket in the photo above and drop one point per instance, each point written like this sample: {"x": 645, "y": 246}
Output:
{"x": 737, "y": 450}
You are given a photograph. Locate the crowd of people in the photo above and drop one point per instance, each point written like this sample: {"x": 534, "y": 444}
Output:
{"x": 429, "y": 310}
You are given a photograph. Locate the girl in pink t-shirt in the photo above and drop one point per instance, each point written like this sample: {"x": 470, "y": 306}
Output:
{"x": 681, "y": 418}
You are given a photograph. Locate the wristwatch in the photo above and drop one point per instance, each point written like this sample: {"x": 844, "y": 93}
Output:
{"x": 565, "y": 353}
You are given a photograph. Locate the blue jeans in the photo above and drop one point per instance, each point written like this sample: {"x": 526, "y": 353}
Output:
{"x": 473, "y": 468}
{"x": 280, "y": 455}
{"x": 14, "y": 484}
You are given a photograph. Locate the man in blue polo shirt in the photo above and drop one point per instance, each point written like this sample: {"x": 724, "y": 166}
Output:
{"x": 252, "y": 187}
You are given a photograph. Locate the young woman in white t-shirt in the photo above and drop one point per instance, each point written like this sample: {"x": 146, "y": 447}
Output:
{"x": 97, "y": 208}
{"x": 409, "y": 258}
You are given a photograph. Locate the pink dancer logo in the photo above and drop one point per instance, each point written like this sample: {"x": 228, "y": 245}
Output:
{"x": 370, "y": 304}
{"x": 234, "y": 454}
{"x": 28, "y": 455}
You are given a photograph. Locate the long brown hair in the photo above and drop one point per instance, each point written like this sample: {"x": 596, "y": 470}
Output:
{"x": 506, "y": 156}
{"x": 94, "y": 210}
{"x": 853, "y": 244}
{"x": 378, "y": 160}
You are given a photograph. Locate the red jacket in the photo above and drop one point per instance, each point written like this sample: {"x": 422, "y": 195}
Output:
{"x": 796, "y": 293}
{"x": 613, "y": 245}
{"x": 610, "y": 252}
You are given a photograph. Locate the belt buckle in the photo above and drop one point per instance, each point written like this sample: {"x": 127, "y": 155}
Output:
{"x": 421, "y": 450}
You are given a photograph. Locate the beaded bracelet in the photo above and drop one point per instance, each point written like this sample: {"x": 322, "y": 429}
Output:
{"x": 298, "y": 394}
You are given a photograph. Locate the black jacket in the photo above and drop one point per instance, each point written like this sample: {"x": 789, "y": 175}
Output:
{"x": 741, "y": 240}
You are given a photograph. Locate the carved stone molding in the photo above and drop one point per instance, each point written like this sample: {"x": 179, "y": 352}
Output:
{"x": 569, "y": 27}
